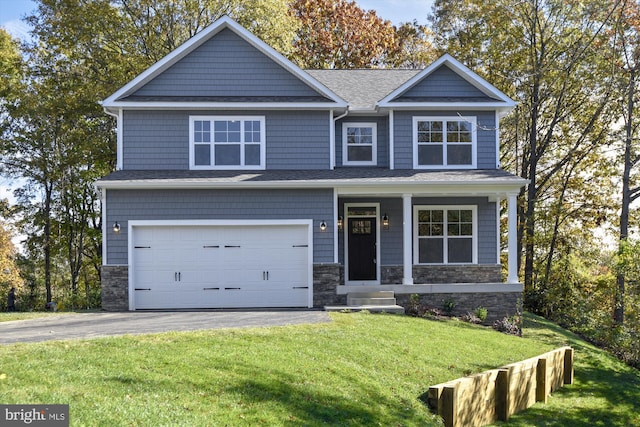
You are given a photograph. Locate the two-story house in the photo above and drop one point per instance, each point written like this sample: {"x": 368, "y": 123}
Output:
{"x": 245, "y": 181}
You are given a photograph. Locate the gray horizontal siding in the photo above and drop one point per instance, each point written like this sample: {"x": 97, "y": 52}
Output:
{"x": 226, "y": 65}
{"x": 382, "y": 124}
{"x": 443, "y": 82}
{"x": 160, "y": 139}
{"x": 391, "y": 247}
{"x": 125, "y": 205}
{"x": 486, "y": 136}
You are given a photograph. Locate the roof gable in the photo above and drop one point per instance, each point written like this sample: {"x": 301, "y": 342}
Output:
{"x": 447, "y": 84}
{"x": 221, "y": 64}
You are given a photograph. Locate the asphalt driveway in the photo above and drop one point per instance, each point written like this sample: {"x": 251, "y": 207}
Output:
{"x": 93, "y": 325}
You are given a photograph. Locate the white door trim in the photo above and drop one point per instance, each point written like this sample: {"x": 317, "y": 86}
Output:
{"x": 227, "y": 222}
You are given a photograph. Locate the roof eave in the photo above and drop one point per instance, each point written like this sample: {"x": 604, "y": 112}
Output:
{"x": 493, "y": 106}
{"x": 133, "y": 105}
{"x": 497, "y": 185}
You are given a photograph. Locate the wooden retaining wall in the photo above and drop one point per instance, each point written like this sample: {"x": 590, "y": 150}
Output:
{"x": 497, "y": 394}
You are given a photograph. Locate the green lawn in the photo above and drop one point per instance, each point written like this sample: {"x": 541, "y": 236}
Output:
{"x": 360, "y": 369}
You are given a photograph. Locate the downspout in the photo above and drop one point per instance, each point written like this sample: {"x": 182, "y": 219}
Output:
{"x": 335, "y": 190}
{"x": 119, "y": 135}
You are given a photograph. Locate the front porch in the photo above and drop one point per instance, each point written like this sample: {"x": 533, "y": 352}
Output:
{"x": 500, "y": 299}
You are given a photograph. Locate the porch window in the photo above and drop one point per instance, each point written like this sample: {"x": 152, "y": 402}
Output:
{"x": 444, "y": 142}
{"x": 359, "y": 144}
{"x": 222, "y": 142}
{"x": 445, "y": 234}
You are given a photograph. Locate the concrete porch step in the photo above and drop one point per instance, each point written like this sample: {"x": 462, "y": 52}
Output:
{"x": 371, "y": 298}
{"x": 393, "y": 309}
{"x": 370, "y": 301}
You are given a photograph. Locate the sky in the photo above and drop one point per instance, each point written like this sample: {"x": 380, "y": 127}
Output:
{"x": 396, "y": 11}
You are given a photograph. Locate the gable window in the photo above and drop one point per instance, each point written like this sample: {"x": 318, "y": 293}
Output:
{"x": 359, "y": 144}
{"x": 221, "y": 142}
{"x": 444, "y": 142}
{"x": 445, "y": 234}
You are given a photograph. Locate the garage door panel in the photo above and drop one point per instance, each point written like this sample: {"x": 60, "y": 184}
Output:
{"x": 221, "y": 266}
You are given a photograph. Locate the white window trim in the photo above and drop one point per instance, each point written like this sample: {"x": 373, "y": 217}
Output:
{"x": 212, "y": 166}
{"x": 474, "y": 141}
{"x": 374, "y": 143}
{"x": 474, "y": 237}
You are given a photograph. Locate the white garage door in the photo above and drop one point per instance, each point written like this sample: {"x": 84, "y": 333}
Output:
{"x": 221, "y": 266}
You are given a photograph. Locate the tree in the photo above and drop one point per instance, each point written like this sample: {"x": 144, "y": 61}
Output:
{"x": 560, "y": 80}
{"x": 9, "y": 270}
{"x": 625, "y": 40}
{"x": 338, "y": 34}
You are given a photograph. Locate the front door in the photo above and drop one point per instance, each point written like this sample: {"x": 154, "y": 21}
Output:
{"x": 362, "y": 235}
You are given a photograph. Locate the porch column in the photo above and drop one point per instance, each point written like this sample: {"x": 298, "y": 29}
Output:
{"x": 513, "y": 239}
{"x": 407, "y": 241}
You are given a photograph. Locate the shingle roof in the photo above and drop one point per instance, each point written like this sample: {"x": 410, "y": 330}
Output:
{"x": 362, "y": 89}
{"x": 316, "y": 178}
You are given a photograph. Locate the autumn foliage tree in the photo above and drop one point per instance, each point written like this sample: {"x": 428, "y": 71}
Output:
{"x": 339, "y": 34}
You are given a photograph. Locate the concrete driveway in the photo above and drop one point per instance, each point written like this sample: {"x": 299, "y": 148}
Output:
{"x": 92, "y": 325}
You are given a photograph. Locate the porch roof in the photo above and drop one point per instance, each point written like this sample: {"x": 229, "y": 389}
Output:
{"x": 344, "y": 180}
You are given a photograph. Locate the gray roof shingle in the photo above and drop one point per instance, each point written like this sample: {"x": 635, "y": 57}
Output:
{"x": 344, "y": 176}
{"x": 362, "y": 89}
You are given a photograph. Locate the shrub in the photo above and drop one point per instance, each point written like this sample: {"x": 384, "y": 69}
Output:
{"x": 481, "y": 313}
{"x": 449, "y": 304}
{"x": 472, "y": 318}
{"x": 508, "y": 325}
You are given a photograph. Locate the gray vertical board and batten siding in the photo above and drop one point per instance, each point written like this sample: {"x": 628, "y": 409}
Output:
{"x": 486, "y": 136}
{"x": 159, "y": 140}
{"x": 226, "y": 65}
{"x": 126, "y": 205}
{"x": 391, "y": 240}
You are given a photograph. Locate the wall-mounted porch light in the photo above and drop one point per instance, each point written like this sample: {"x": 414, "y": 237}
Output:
{"x": 116, "y": 227}
{"x": 340, "y": 223}
{"x": 385, "y": 222}
{"x": 323, "y": 225}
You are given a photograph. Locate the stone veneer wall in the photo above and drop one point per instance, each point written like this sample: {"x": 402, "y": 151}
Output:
{"x": 115, "y": 287}
{"x": 498, "y": 304}
{"x": 430, "y": 274}
{"x": 326, "y": 279}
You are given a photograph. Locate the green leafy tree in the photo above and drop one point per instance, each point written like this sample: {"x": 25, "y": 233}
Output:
{"x": 547, "y": 55}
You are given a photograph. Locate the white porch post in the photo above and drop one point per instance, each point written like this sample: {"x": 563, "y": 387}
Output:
{"x": 407, "y": 241}
{"x": 513, "y": 239}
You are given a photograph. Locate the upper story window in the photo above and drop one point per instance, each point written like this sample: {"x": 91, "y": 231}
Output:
{"x": 447, "y": 142}
{"x": 227, "y": 142}
{"x": 445, "y": 234}
{"x": 359, "y": 144}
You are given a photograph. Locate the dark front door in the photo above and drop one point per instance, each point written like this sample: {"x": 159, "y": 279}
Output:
{"x": 362, "y": 249}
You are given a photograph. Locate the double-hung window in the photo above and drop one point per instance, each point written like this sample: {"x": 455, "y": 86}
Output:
{"x": 227, "y": 142}
{"x": 359, "y": 144}
{"x": 444, "y": 142}
{"x": 445, "y": 234}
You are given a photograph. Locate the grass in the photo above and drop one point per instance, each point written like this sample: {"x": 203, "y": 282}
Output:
{"x": 360, "y": 369}
{"x": 27, "y": 315}
{"x": 605, "y": 392}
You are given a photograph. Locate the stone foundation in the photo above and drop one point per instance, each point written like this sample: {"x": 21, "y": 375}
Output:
{"x": 428, "y": 274}
{"x": 115, "y": 287}
{"x": 326, "y": 279}
{"x": 498, "y": 304}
